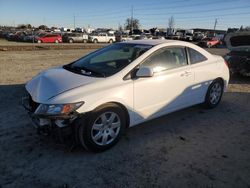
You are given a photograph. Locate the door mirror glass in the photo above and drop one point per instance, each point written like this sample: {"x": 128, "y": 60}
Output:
{"x": 144, "y": 72}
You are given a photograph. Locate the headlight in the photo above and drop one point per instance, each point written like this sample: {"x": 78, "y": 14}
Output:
{"x": 57, "y": 109}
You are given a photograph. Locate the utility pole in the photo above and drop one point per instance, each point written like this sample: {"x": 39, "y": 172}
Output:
{"x": 132, "y": 15}
{"x": 215, "y": 23}
{"x": 74, "y": 22}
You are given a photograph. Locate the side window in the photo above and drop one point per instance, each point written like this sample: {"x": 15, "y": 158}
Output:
{"x": 195, "y": 57}
{"x": 167, "y": 58}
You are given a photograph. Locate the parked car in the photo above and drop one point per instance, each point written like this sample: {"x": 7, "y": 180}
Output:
{"x": 48, "y": 38}
{"x": 188, "y": 37}
{"x": 209, "y": 42}
{"x": 17, "y": 36}
{"x": 122, "y": 38}
{"x": 101, "y": 37}
{"x": 143, "y": 37}
{"x": 121, "y": 85}
{"x": 239, "y": 56}
{"x": 75, "y": 37}
{"x": 29, "y": 38}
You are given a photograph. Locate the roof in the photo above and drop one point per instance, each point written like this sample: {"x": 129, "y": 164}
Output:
{"x": 150, "y": 42}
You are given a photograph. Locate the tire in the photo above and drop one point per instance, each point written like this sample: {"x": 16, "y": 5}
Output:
{"x": 214, "y": 94}
{"x": 71, "y": 41}
{"x": 56, "y": 41}
{"x": 110, "y": 41}
{"x": 84, "y": 41}
{"x": 96, "y": 133}
{"x": 209, "y": 46}
{"x": 39, "y": 41}
{"x": 95, "y": 41}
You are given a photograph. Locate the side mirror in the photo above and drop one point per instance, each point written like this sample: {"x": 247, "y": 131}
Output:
{"x": 144, "y": 72}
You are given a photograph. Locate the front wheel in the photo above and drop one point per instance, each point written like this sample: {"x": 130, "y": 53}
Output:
{"x": 56, "y": 41}
{"x": 214, "y": 94}
{"x": 110, "y": 41}
{"x": 103, "y": 128}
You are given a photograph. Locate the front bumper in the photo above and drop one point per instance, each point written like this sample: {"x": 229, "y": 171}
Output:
{"x": 56, "y": 125}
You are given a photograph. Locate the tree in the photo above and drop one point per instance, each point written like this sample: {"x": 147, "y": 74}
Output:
{"x": 135, "y": 24}
{"x": 24, "y": 26}
{"x": 247, "y": 28}
{"x": 171, "y": 22}
{"x": 43, "y": 27}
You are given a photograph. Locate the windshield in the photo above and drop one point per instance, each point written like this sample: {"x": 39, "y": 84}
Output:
{"x": 41, "y": 34}
{"x": 108, "y": 60}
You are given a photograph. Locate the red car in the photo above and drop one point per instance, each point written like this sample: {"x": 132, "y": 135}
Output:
{"x": 209, "y": 42}
{"x": 48, "y": 38}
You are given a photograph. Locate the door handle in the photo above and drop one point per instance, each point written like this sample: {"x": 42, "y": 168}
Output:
{"x": 186, "y": 73}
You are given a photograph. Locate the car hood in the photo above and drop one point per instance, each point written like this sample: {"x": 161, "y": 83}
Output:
{"x": 55, "y": 81}
{"x": 238, "y": 40}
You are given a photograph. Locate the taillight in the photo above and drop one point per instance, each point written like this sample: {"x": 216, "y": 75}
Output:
{"x": 226, "y": 63}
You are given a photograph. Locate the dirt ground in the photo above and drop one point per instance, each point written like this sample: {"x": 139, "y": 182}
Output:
{"x": 192, "y": 148}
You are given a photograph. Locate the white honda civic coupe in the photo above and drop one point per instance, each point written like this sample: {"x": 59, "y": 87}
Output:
{"x": 98, "y": 96}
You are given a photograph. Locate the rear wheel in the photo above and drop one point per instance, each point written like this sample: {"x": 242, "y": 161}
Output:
{"x": 214, "y": 94}
{"x": 110, "y": 41}
{"x": 56, "y": 41}
{"x": 71, "y": 41}
{"x": 39, "y": 41}
{"x": 84, "y": 41}
{"x": 103, "y": 128}
{"x": 95, "y": 41}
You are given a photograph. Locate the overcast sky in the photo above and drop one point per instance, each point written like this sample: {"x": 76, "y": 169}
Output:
{"x": 111, "y": 13}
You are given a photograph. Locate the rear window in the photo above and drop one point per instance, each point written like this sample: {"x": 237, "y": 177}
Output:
{"x": 243, "y": 40}
{"x": 195, "y": 56}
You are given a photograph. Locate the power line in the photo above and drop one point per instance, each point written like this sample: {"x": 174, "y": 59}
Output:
{"x": 184, "y": 6}
{"x": 198, "y": 11}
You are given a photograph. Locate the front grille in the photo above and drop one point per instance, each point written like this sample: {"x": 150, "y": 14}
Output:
{"x": 33, "y": 105}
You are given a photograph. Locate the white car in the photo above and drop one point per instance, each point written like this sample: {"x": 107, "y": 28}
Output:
{"x": 121, "y": 85}
{"x": 101, "y": 37}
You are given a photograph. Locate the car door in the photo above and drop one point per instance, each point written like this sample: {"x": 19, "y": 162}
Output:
{"x": 169, "y": 89}
{"x": 203, "y": 70}
{"x": 100, "y": 37}
{"x": 45, "y": 38}
{"x": 49, "y": 38}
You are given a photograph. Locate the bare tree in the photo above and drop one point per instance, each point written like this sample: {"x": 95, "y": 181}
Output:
{"x": 171, "y": 22}
{"x": 135, "y": 24}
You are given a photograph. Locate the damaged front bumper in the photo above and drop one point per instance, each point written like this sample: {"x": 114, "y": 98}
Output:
{"x": 58, "y": 126}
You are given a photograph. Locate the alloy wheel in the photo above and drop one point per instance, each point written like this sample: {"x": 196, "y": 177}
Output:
{"x": 106, "y": 128}
{"x": 215, "y": 93}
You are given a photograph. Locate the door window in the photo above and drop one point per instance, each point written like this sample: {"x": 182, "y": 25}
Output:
{"x": 167, "y": 58}
{"x": 195, "y": 57}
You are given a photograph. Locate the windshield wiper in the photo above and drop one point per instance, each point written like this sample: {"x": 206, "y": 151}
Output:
{"x": 85, "y": 70}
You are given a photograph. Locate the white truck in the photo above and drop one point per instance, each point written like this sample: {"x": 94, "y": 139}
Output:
{"x": 101, "y": 37}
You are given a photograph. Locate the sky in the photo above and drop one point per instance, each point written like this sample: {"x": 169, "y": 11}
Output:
{"x": 112, "y": 13}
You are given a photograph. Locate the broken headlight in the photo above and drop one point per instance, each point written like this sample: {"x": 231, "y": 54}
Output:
{"x": 57, "y": 109}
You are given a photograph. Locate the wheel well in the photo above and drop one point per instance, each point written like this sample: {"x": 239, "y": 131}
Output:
{"x": 221, "y": 80}
{"x": 120, "y": 106}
